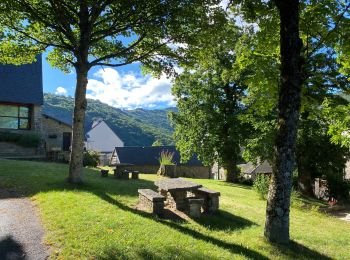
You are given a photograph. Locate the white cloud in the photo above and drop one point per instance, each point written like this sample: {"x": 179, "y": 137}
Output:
{"x": 130, "y": 90}
{"x": 61, "y": 91}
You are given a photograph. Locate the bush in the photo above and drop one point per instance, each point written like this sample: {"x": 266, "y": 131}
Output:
{"x": 25, "y": 140}
{"x": 261, "y": 185}
{"x": 166, "y": 158}
{"x": 91, "y": 158}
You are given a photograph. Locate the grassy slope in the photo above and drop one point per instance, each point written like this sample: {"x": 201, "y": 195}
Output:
{"x": 97, "y": 221}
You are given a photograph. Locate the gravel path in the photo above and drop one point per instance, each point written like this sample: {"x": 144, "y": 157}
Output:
{"x": 21, "y": 233}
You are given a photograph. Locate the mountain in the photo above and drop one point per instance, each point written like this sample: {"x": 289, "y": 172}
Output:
{"x": 139, "y": 127}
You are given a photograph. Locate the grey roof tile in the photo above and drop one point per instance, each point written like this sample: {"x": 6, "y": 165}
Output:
{"x": 22, "y": 84}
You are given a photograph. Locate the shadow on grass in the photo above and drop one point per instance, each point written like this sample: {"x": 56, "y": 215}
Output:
{"x": 224, "y": 220}
{"x": 171, "y": 252}
{"x": 295, "y": 250}
{"x": 10, "y": 249}
{"x": 233, "y": 248}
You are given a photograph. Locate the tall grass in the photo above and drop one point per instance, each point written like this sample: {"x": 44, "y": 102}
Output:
{"x": 166, "y": 158}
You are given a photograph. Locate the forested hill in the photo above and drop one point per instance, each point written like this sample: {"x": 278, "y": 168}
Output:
{"x": 135, "y": 127}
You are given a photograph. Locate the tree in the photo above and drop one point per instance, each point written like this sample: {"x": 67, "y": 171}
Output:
{"x": 87, "y": 33}
{"x": 209, "y": 99}
{"x": 278, "y": 202}
{"x": 318, "y": 78}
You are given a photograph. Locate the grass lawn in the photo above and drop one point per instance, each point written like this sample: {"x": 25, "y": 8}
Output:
{"x": 97, "y": 220}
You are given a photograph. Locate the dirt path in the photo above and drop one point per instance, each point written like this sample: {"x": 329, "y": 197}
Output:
{"x": 21, "y": 233}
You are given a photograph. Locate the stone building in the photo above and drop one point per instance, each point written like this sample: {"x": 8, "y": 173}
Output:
{"x": 57, "y": 133}
{"x": 146, "y": 160}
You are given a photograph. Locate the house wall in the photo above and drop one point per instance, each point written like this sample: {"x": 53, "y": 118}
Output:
{"x": 51, "y": 128}
{"x": 101, "y": 138}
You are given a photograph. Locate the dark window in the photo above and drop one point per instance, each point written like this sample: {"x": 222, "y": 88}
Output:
{"x": 67, "y": 139}
{"x": 14, "y": 117}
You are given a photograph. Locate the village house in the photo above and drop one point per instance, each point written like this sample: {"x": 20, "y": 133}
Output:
{"x": 146, "y": 160}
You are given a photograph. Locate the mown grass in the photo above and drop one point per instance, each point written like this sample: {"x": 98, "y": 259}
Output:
{"x": 97, "y": 220}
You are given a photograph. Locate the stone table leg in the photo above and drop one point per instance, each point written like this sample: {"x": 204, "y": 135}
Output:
{"x": 179, "y": 198}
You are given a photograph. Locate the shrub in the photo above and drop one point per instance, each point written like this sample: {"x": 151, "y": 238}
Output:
{"x": 91, "y": 158}
{"x": 166, "y": 158}
{"x": 261, "y": 185}
{"x": 25, "y": 140}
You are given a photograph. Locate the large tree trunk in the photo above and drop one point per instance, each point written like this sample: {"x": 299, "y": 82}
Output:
{"x": 278, "y": 203}
{"x": 76, "y": 156}
{"x": 232, "y": 172}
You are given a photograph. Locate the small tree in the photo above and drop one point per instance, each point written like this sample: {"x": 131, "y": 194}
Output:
{"x": 87, "y": 33}
{"x": 166, "y": 158}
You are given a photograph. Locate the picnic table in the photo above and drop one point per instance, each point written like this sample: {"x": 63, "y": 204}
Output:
{"x": 176, "y": 191}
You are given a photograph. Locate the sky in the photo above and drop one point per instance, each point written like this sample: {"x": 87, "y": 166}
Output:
{"x": 124, "y": 87}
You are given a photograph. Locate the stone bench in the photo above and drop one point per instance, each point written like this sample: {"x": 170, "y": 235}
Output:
{"x": 211, "y": 199}
{"x": 194, "y": 206}
{"x": 151, "y": 200}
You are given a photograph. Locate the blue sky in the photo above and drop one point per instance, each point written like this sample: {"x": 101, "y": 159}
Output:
{"x": 123, "y": 87}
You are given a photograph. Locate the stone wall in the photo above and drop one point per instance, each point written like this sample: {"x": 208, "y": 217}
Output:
{"x": 36, "y": 123}
{"x": 52, "y": 133}
{"x": 150, "y": 169}
{"x": 200, "y": 172}
{"x": 13, "y": 150}
{"x": 175, "y": 171}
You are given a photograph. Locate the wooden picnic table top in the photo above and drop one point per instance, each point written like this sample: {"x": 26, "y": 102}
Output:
{"x": 177, "y": 184}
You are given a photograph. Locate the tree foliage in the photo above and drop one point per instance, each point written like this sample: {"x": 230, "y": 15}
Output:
{"x": 209, "y": 93}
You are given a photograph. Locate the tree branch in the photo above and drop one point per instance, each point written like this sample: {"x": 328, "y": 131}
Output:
{"x": 336, "y": 24}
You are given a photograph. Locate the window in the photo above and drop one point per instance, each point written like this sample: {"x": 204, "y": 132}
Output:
{"x": 14, "y": 117}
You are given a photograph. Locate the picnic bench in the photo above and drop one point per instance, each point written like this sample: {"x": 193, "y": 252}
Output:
{"x": 124, "y": 175}
{"x": 176, "y": 191}
{"x": 152, "y": 201}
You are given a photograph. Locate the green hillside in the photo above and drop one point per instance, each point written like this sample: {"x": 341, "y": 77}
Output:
{"x": 135, "y": 127}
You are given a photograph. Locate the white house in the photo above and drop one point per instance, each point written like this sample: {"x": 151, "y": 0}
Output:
{"x": 102, "y": 138}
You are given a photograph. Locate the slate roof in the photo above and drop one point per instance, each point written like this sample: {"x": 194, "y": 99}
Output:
{"x": 22, "y": 84}
{"x": 58, "y": 114}
{"x": 250, "y": 168}
{"x": 149, "y": 155}
{"x": 58, "y": 119}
